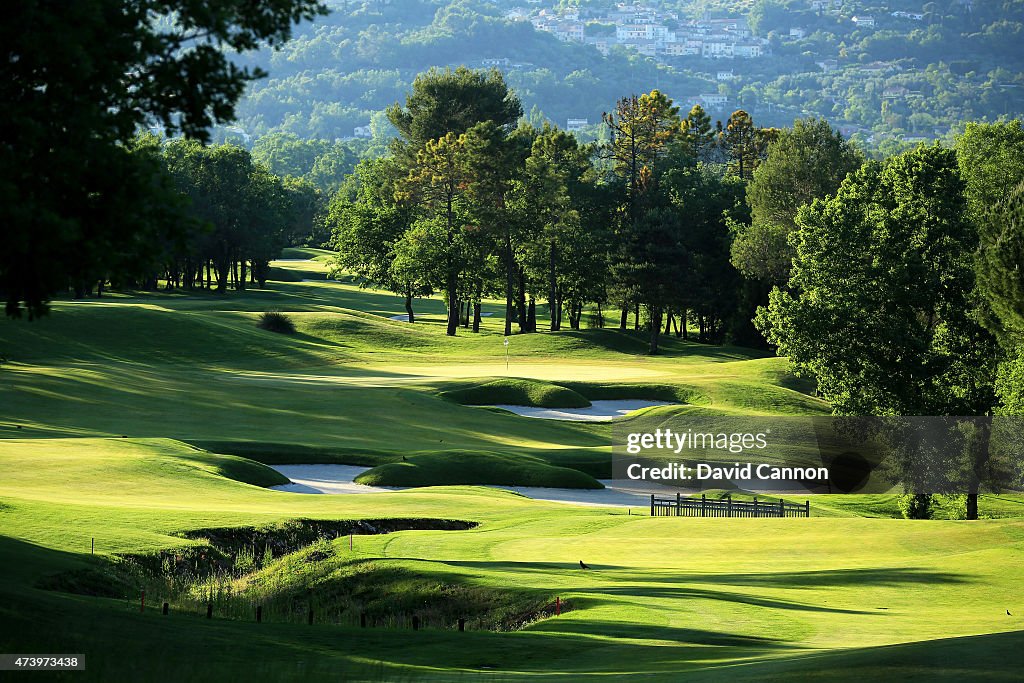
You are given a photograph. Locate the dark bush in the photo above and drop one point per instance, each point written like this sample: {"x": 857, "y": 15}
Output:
{"x": 916, "y": 505}
{"x": 275, "y": 321}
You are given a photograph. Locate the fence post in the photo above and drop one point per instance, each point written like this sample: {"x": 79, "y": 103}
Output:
{"x": 679, "y": 504}
{"x": 652, "y": 505}
{"x": 807, "y": 508}
{"x": 755, "y": 506}
{"x": 728, "y": 505}
{"x": 703, "y": 505}
{"x": 782, "y": 508}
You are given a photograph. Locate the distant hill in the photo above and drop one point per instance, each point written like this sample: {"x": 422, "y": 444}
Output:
{"x": 881, "y": 69}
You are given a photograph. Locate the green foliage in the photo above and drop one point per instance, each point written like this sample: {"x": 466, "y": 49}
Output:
{"x": 83, "y": 77}
{"x": 806, "y": 162}
{"x": 882, "y": 294}
{"x": 518, "y": 392}
{"x": 248, "y": 214}
{"x": 428, "y": 114}
{"x": 916, "y": 505}
{"x": 464, "y": 467}
{"x": 275, "y": 321}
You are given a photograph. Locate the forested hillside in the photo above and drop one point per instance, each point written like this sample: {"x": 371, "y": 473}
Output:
{"x": 884, "y": 70}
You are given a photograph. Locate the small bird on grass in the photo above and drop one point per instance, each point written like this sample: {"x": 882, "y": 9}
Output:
{"x": 583, "y": 566}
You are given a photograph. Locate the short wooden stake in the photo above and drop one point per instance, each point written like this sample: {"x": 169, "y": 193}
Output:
{"x": 259, "y": 614}
{"x": 462, "y": 625}
{"x": 415, "y": 623}
{"x": 209, "y": 610}
{"x": 92, "y": 551}
{"x": 310, "y": 616}
{"x": 362, "y": 620}
{"x": 166, "y": 606}
{"x": 558, "y": 606}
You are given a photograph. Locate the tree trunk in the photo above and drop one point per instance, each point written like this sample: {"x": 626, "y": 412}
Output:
{"x": 531, "y": 315}
{"x": 476, "y": 305}
{"x": 636, "y": 317}
{"x": 668, "y": 323}
{"x": 243, "y": 280}
{"x": 510, "y": 283}
{"x": 558, "y": 316}
{"x": 981, "y": 458}
{"x": 683, "y": 324}
{"x": 552, "y": 283}
{"x": 623, "y": 319}
{"x": 408, "y": 305}
{"x": 524, "y": 326}
{"x": 453, "y": 306}
{"x": 655, "y": 328}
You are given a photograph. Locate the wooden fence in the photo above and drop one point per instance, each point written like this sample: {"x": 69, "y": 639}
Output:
{"x": 727, "y": 507}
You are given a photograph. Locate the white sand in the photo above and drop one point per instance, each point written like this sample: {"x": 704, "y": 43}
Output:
{"x": 338, "y": 479}
{"x": 599, "y": 411}
{"x": 324, "y": 479}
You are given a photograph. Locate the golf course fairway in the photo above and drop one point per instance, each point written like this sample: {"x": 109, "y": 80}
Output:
{"x": 135, "y": 430}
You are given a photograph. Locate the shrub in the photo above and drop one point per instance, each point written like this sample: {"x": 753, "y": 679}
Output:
{"x": 275, "y": 321}
{"x": 954, "y": 505}
{"x": 916, "y": 505}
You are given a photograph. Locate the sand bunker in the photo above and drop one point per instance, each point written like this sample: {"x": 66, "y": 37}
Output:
{"x": 599, "y": 411}
{"x": 339, "y": 479}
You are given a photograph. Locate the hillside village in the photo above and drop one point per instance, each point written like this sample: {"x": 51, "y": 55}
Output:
{"x": 648, "y": 30}
{"x": 663, "y": 34}
{"x": 668, "y": 37}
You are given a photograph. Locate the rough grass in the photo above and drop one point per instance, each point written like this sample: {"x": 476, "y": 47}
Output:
{"x": 518, "y": 392}
{"x": 460, "y": 467}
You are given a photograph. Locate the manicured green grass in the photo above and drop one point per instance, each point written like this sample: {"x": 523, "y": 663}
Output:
{"x": 849, "y": 594}
{"x": 517, "y": 392}
{"x": 460, "y": 467}
{"x": 664, "y": 596}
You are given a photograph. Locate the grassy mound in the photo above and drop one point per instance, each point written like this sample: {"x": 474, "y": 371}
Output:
{"x": 518, "y": 392}
{"x": 644, "y": 391}
{"x": 462, "y": 467}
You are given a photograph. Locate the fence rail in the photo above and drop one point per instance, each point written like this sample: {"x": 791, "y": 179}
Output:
{"x": 727, "y": 507}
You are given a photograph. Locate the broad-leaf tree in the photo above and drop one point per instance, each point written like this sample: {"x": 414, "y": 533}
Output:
{"x": 882, "y": 304}
{"x": 78, "y": 80}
